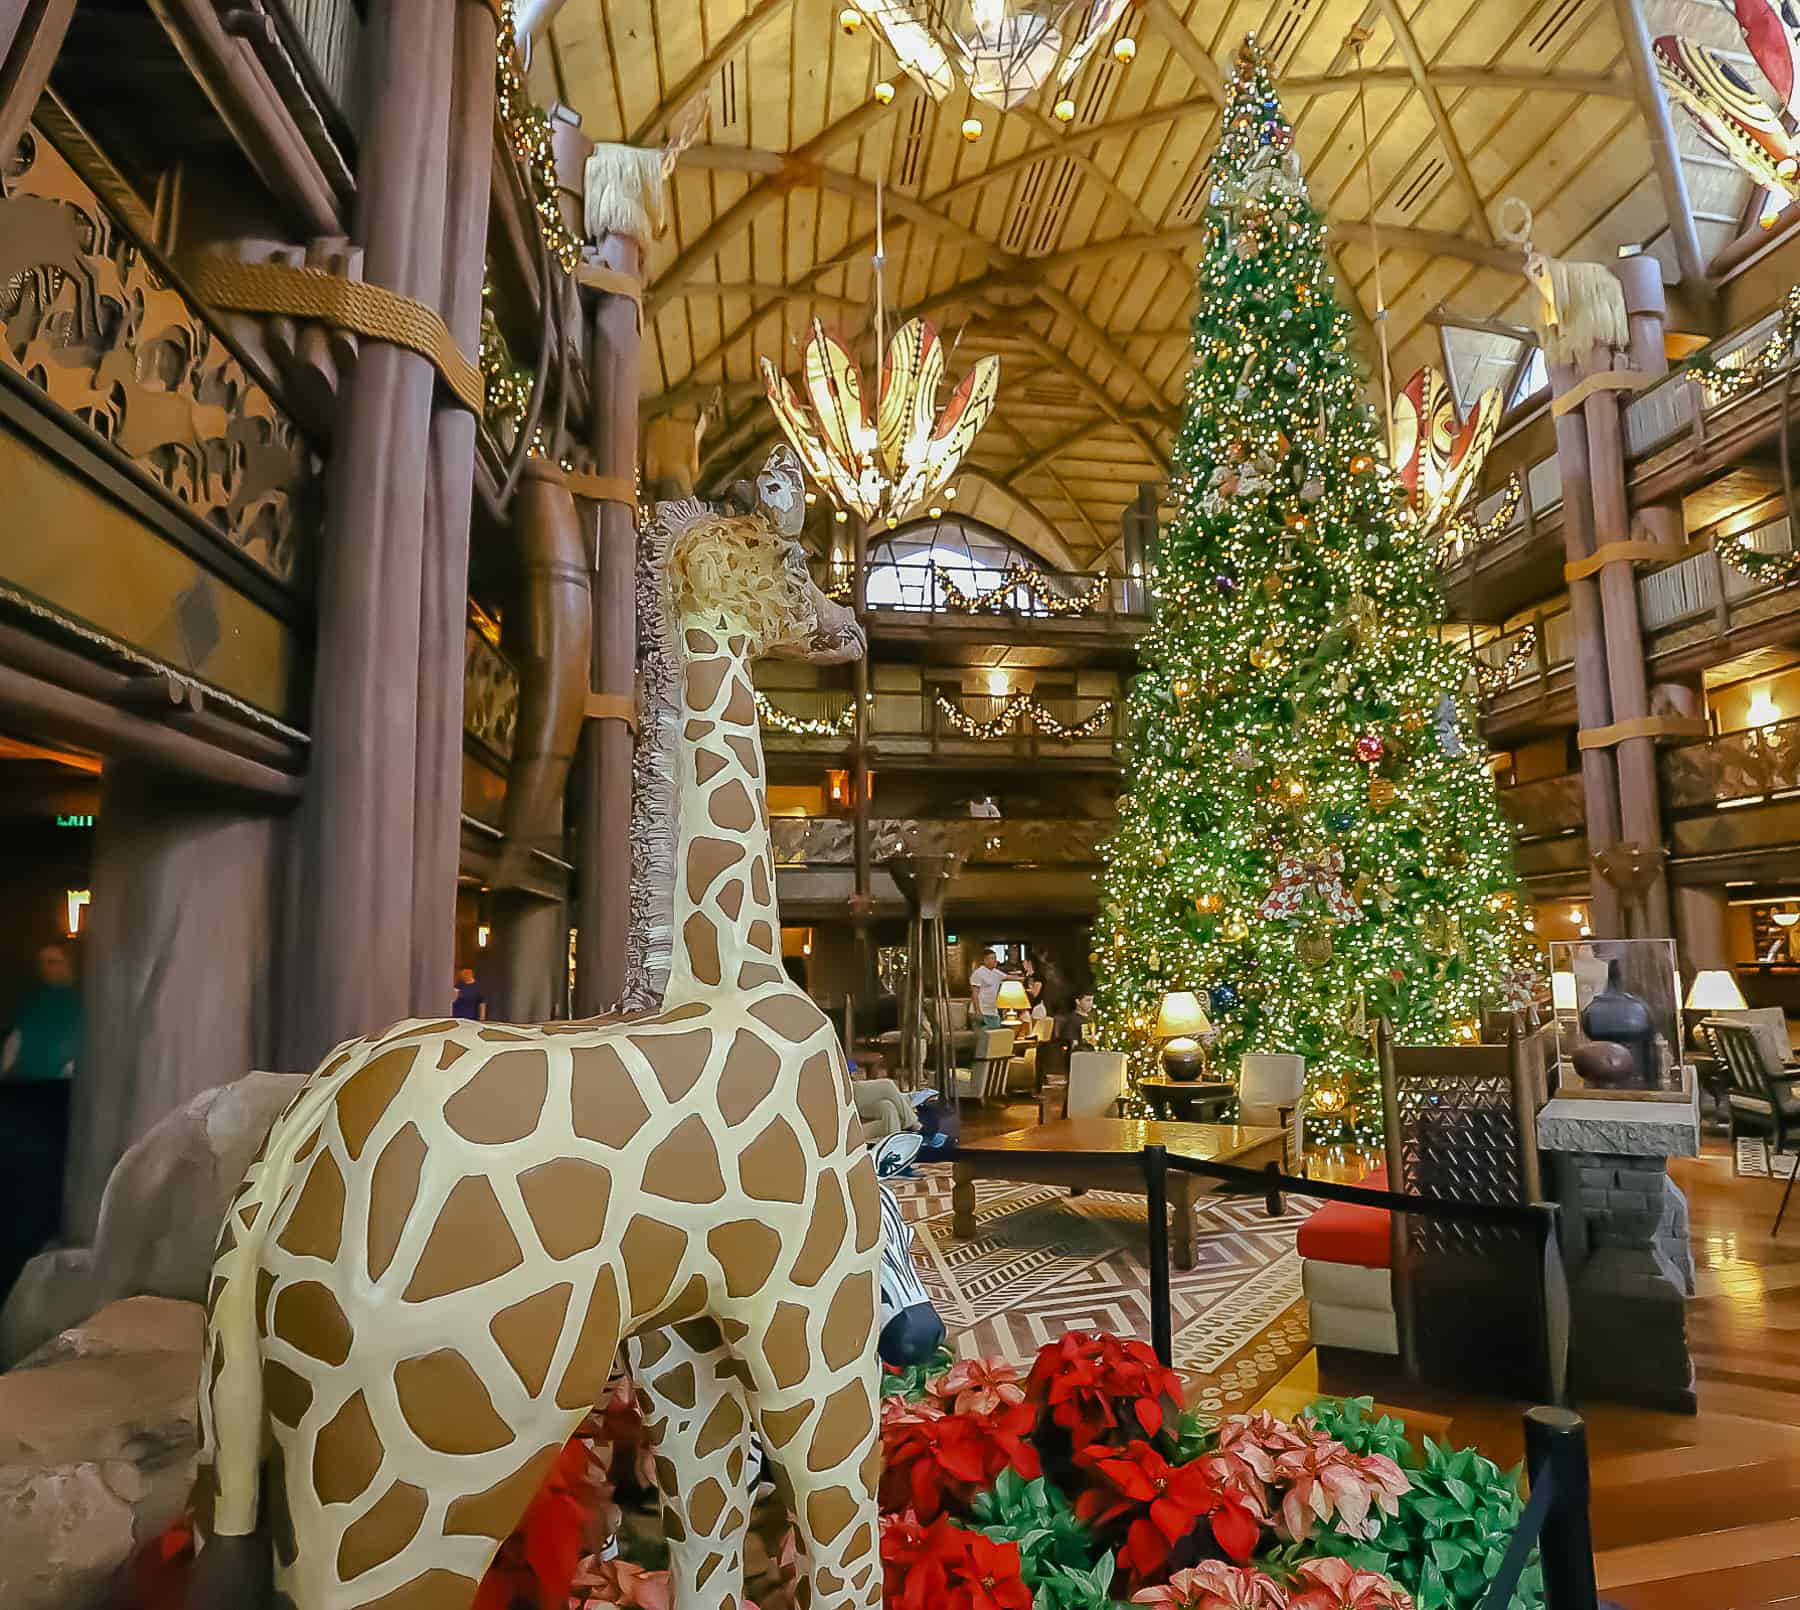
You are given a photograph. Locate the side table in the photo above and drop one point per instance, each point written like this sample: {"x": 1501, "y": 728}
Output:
{"x": 1187, "y": 1101}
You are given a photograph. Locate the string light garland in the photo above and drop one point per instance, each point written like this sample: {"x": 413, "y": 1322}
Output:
{"x": 1495, "y": 679}
{"x": 1464, "y": 535}
{"x": 999, "y": 599}
{"x": 528, "y": 133}
{"x": 1776, "y": 568}
{"x": 506, "y": 394}
{"x": 1725, "y": 382}
{"x": 1020, "y": 706}
{"x": 778, "y": 720}
{"x": 1296, "y": 705}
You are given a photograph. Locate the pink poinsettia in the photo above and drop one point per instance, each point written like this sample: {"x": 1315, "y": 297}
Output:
{"x": 1257, "y": 1440}
{"x": 1325, "y": 1481}
{"x": 1334, "y": 1584}
{"x": 620, "y": 1585}
{"x": 1214, "y": 1585}
{"x": 979, "y": 1386}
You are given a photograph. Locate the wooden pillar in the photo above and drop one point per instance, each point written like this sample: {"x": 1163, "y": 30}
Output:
{"x": 353, "y": 970}
{"x": 31, "y": 35}
{"x": 1701, "y": 937}
{"x": 529, "y": 950}
{"x": 603, "y": 876}
{"x": 862, "y": 898}
{"x": 1593, "y": 695}
{"x": 437, "y": 804}
{"x": 178, "y": 963}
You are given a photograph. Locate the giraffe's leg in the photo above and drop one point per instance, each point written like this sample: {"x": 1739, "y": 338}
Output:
{"x": 697, "y": 1415}
{"x": 815, "y": 1399}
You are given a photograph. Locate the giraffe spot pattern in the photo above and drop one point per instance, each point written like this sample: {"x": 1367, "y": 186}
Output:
{"x": 495, "y": 1511}
{"x": 431, "y": 1590}
{"x": 730, "y": 808}
{"x": 449, "y": 1053}
{"x": 707, "y": 1504}
{"x": 751, "y": 1066}
{"x": 740, "y": 708}
{"x": 265, "y": 1286}
{"x": 591, "y": 1361}
{"x": 679, "y": 1386}
{"x": 824, "y": 1235}
{"x": 745, "y": 750}
{"x": 288, "y": 1394}
{"x": 694, "y": 731}
{"x": 829, "y": 1511}
{"x": 685, "y": 1165}
{"x": 500, "y": 1036}
{"x": 393, "y": 1188}
{"x": 820, "y": 1103}
{"x": 677, "y": 1060}
{"x": 702, "y": 941}
{"x": 719, "y": 1430}
{"x": 471, "y": 1243}
{"x": 844, "y": 1423}
{"x": 527, "y": 1334}
{"x": 707, "y": 857}
{"x": 731, "y": 898}
{"x": 865, "y": 1202}
{"x": 753, "y": 975}
{"x": 784, "y": 1345}
{"x": 759, "y": 880}
{"x": 781, "y": 1426}
{"x": 849, "y": 1321}
{"x": 708, "y": 765}
{"x": 446, "y": 1404}
{"x": 605, "y": 1106}
{"x": 792, "y": 1016}
{"x": 761, "y": 937}
{"x": 566, "y": 1200}
{"x": 746, "y": 1250}
{"x": 772, "y": 1168}
{"x": 704, "y": 679}
{"x": 381, "y": 1531}
{"x": 504, "y": 1101}
{"x": 346, "y": 1453}
{"x": 308, "y": 1319}
{"x": 280, "y": 1509}
{"x": 651, "y": 1251}
{"x": 315, "y": 1227}
{"x": 689, "y": 1304}
{"x": 367, "y": 1093}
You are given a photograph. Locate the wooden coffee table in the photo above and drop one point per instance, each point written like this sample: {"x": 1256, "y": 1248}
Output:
{"x": 1178, "y": 1098}
{"x": 1103, "y": 1153}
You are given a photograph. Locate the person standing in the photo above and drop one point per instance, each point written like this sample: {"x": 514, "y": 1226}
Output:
{"x": 46, "y": 1033}
{"x": 984, "y": 992}
{"x": 468, "y": 1001}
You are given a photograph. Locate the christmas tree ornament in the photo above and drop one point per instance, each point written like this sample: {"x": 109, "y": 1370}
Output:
{"x": 1381, "y": 793}
{"x": 1311, "y": 489}
{"x": 1273, "y": 583}
{"x": 1371, "y": 748}
{"x": 1313, "y": 947}
{"x": 1234, "y": 930}
{"x": 1448, "y": 732}
{"x": 1223, "y": 997}
{"x": 1243, "y": 755}
{"x": 1362, "y": 464}
{"x": 1298, "y": 877}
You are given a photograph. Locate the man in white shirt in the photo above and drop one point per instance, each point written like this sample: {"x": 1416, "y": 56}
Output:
{"x": 984, "y": 992}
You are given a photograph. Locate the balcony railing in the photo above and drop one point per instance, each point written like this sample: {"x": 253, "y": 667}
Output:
{"x": 900, "y": 589}
{"x": 327, "y": 35}
{"x": 827, "y": 840}
{"x": 916, "y": 722}
{"x": 490, "y": 695}
{"x": 1746, "y": 765}
{"x": 1545, "y": 808}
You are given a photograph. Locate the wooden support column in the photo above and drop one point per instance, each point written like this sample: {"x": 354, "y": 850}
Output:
{"x": 862, "y": 898}
{"x": 31, "y": 35}
{"x": 603, "y": 876}
{"x": 1593, "y": 695}
{"x": 449, "y": 486}
{"x": 352, "y": 964}
{"x": 1640, "y": 808}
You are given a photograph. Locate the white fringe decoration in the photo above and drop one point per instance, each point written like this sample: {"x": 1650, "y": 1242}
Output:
{"x": 624, "y": 193}
{"x": 1590, "y": 305}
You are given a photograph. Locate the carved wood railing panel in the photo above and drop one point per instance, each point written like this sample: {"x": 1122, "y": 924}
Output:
{"x": 1546, "y": 807}
{"x": 490, "y": 695}
{"x": 91, "y": 323}
{"x": 1735, "y": 765}
{"x": 826, "y": 840}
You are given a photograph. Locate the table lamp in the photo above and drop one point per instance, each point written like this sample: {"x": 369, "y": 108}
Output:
{"x": 1012, "y": 1001}
{"x": 1714, "y": 989}
{"x": 1562, "y": 990}
{"x": 1179, "y": 1025}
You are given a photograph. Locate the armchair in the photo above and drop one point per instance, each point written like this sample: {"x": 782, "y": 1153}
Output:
{"x": 1271, "y": 1092}
{"x": 986, "y": 1074}
{"x": 1096, "y": 1081}
{"x": 1764, "y": 1093}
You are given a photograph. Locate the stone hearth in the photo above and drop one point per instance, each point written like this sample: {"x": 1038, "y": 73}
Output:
{"x": 1625, "y": 1241}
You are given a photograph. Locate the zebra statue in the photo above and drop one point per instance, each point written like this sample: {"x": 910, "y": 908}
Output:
{"x": 911, "y": 1329}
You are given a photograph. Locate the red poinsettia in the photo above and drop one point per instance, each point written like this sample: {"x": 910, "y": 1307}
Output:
{"x": 1093, "y": 1385}
{"x": 1214, "y": 1585}
{"x": 1164, "y": 1503}
{"x": 943, "y": 1567}
{"x": 931, "y": 1461}
{"x": 1333, "y": 1584}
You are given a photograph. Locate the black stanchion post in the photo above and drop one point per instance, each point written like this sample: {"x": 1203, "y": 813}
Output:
{"x": 1553, "y": 1303}
{"x": 1156, "y": 1190}
{"x": 1272, "y": 1192}
{"x": 1556, "y": 1448}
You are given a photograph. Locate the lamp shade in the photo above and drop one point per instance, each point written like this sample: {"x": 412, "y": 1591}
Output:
{"x": 1562, "y": 991}
{"x": 1181, "y": 1014}
{"x": 1012, "y": 997}
{"x": 1714, "y": 990}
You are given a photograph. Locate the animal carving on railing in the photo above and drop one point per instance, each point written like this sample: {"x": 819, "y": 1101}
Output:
{"x": 87, "y": 319}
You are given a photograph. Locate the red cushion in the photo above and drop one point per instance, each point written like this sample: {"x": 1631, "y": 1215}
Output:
{"x": 1345, "y": 1232}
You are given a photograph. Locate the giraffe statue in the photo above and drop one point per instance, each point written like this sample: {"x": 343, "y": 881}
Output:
{"x": 423, "y": 1280}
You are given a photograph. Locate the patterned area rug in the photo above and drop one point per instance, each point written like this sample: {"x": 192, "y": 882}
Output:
{"x": 1751, "y": 1160}
{"x": 1044, "y": 1263}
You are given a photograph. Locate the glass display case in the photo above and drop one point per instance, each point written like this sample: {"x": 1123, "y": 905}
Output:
{"x": 1618, "y": 1019}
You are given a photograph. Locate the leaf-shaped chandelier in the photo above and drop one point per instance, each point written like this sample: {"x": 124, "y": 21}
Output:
{"x": 1438, "y": 460}
{"x": 886, "y": 468}
{"x": 1005, "y": 50}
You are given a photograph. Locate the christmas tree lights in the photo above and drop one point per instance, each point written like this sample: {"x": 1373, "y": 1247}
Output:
{"x": 1309, "y": 836}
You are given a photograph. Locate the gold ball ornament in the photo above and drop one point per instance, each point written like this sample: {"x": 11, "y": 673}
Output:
{"x": 1361, "y": 464}
{"x": 1273, "y": 583}
{"x": 1234, "y": 930}
{"x": 1313, "y": 947}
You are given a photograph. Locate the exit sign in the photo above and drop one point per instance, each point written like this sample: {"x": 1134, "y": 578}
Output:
{"x": 74, "y": 821}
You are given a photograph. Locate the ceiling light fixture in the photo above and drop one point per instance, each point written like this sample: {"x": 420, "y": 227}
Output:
{"x": 1064, "y": 110}
{"x": 1125, "y": 49}
{"x": 884, "y": 92}
{"x": 1004, "y": 51}
{"x": 971, "y": 129}
{"x": 850, "y": 19}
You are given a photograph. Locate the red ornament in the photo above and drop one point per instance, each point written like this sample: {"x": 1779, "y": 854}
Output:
{"x": 1370, "y": 748}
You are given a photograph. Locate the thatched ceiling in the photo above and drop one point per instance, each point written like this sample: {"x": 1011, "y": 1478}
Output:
{"x": 1070, "y": 250}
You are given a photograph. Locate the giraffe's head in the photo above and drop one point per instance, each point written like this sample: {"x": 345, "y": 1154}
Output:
{"x": 748, "y": 573}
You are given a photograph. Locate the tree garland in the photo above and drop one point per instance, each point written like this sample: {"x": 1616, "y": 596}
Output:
{"x": 1021, "y": 706}
{"x": 997, "y": 599}
{"x": 773, "y": 716}
{"x": 1492, "y": 679}
{"x": 1722, "y": 384}
{"x": 528, "y": 132}
{"x": 1462, "y": 535}
{"x": 1778, "y": 568}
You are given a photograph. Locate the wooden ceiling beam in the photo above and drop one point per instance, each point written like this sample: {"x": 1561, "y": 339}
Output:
{"x": 747, "y": 27}
{"x": 1168, "y": 22}
{"x": 1058, "y": 303}
{"x": 1041, "y": 457}
{"x": 1665, "y": 155}
{"x": 1431, "y": 243}
{"x": 1434, "y": 104}
{"x": 1062, "y": 486}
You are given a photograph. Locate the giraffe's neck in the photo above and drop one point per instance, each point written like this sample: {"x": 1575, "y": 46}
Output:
{"x": 727, "y": 935}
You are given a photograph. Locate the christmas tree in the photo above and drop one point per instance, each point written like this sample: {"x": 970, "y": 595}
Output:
{"x": 1309, "y": 836}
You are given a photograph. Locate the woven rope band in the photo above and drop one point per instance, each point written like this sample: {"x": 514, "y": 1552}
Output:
{"x": 370, "y": 310}
{"x": 1603, "y": 380}
{"x": 1643, "y": 727}
{"x": 603, "y": 488}
{"x": 1633, "y": 551}
{"x": 612, "y": 707}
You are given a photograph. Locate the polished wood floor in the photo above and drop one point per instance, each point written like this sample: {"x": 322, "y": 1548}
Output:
{"x": 1697, "y": 1512}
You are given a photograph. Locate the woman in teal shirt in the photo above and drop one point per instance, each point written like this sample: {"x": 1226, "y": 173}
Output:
{"x": 46, "y": 1036}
